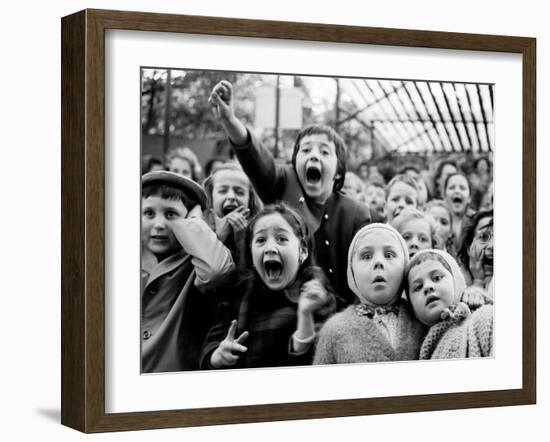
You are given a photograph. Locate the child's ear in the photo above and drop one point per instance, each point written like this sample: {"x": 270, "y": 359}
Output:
{"x": 303, "y": 255}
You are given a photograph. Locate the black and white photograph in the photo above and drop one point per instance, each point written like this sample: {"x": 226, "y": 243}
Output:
{"x": 295, "y": 220}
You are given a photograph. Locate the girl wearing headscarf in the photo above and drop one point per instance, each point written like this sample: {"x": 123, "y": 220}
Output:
{"x": 380, "y": 326}
{"x": 435, "y": 286}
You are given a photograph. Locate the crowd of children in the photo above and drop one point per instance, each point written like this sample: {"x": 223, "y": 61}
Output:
{"x": 265, "y": 264}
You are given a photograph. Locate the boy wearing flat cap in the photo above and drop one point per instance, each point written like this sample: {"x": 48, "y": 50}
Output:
{"x": 181, "y": 259}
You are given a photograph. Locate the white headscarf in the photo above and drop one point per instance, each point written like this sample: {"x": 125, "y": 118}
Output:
{"x": 361, "y": 233}
{"x": 458, "y": 278}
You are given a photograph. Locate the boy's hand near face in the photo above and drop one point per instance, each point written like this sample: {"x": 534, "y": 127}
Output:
{"x": 228, "y": 352}
{"x": 221, "y": 100}
{"x": 235, "y": 222}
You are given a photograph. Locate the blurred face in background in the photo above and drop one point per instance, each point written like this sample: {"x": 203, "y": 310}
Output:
{"x": 445, "y": 172}
{"x": 182, "y": 166}
{"x": 443, "y": 218}
{"x": 353, "y": 187}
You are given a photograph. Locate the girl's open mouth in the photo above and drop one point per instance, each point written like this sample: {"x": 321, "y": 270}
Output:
{"x": 378, "y": 279}
{"x": 159, "y": 237}
{"x": 457, "y": 199}
{"x": 313, "y": 175}
{"x": 273, "y": 268}
{"x": 488, "y": 264}
{"x": 228, "y": 208}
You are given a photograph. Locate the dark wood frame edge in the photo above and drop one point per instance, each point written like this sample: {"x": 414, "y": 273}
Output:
{"x": 82, "y": 214}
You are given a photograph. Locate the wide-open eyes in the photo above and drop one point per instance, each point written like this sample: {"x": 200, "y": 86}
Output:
{"x": 484, "y": 236}
{"x": 149, "y": 213}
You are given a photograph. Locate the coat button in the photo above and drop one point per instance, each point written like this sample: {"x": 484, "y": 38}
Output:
{"x": 327, "y": 242}
{"x": 326, "y": 215}
{"x": 330, "y": 271}
{"x": 301, "y": 200}
{"x": 147, "y": 334}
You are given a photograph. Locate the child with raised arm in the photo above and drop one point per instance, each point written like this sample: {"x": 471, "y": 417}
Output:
{"x": 282, "y": 299}
{"x": 435, "y": 288}
{"x": 381, "y": 327}
{"x": 311, "y": 185}
{"x": 181, "y": 259}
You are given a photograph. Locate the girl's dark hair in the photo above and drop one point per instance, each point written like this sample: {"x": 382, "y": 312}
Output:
{"x": 455, "y": 174}
{"x": 339, "y": 144}
{"x": 153, "y": 161}
{"x": 254, "y": 202}
{"x": 210, "y": 163}
{"x": 438, "y": 172}
{"x": 468, "y": 233}
{"x": 487, "y": 160}
{"x": 168, "y": 192}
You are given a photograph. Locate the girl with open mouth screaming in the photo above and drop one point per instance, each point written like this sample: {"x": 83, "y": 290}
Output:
{"x": 232, "y": 202}
{"x": 311, "y": 184}
{"x": 477, "y": 254}
{"x": 457, "y": 191}
{"x": 282, "y": 300}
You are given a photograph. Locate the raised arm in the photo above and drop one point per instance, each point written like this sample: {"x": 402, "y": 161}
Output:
{"x": 256, "y": 160}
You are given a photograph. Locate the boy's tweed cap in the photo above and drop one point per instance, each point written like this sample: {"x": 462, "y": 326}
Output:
{"x": 190, "y": 187}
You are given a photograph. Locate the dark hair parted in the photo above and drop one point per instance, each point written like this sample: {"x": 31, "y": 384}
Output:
{"x": 168, "y": 192}
{"x": 340, "y": 150}
{"x": 468, "y": 233}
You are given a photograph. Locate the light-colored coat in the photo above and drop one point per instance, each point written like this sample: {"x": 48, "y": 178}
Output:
{"x": 462, "y": 335}
{"x": 349, "y": 338}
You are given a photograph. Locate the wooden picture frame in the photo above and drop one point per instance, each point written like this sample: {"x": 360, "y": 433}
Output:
{"x": 83, "y": 219}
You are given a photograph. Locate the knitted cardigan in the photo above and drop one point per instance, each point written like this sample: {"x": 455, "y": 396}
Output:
{"x": 461, "y": 335}
{"x": 349, "y": 338}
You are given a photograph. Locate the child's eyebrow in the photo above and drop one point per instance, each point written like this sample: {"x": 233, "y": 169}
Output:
{"x": 281, "y": 229}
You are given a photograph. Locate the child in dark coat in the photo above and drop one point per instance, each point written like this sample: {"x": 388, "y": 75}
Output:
{"x": 282, "y": 299}
{"x": 311, "y": 185}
